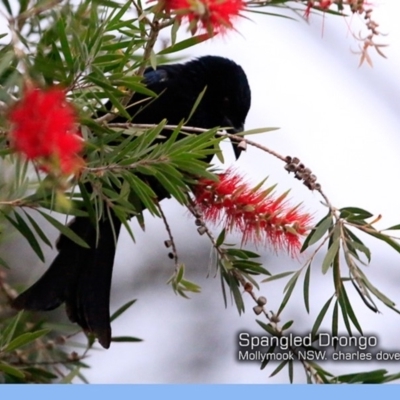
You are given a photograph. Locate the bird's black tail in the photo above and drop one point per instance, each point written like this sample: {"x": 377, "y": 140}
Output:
{"x": 80, "y": 277}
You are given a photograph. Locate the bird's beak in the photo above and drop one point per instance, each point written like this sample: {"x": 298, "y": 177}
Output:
{"x": 238, "y": 147}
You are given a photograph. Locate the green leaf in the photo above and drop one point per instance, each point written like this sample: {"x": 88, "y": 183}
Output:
{"x": 60, "y": 25}
{"x": 88, "y": 203}
{"x": 125, "y": 339}
{"x": 221, "y": 238}
{"x": 5, "y": 61}
{"x": 376, "y": 376}
{"x": 320, "y": 230}
{"x": 25, "y": 339}
{"x": 256, "y": 131}
{"x": 184, "y": 44}
{"x": 330, "y": 255}
{"x": 320, "y": 318}
{"x": 287, "y": 325}
{"x": 393, "y": 228}
{"x": 267, "y": 327}
{"x": 9, "y": 330}
{"x": 290, "y": 371}
{"x": 349, "y": 309}
{"x": 384, "y": 238}
{"x": 306, "y": 288}
{"x": 71, "y": 376}
{"x": 190, "y": 286}
{"x": 279, "y": 368}
{"x": 24, "y": 229}
{"x": 354, "y": 211}
{"x": 122, "y": 309}
{"x": 38, "y": 230}
{"x": 10, "y": 370}
{"x": 196, "y": 104}
{"x": 278, "y": 276}
{"x": 65, "y": 230}
{"x": 335, "y": 321}
{"x": 289, "y": 290}
{"x": 311, "y": 234}
{"x": 267, "y": 359}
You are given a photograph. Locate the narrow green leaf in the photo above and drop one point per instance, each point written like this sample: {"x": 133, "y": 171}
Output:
{"x": 221, "y": 238}
{"x": 290, "y": 287}
{"x": 38, "y": 230}
{"x": 256, "y": 131}
{"x": 184, "y": 44}
{"x": 278, "y": 276}
{"x": 279, "y": 368}
{"x": 125, "y": 339}
{"x": 346, "y": 211}
{"x": 64, "y": 42}
{"x": 350, "y": 310}
{"x": 335, "y": 321}
{"x": 310, "y": 235}
{"x": 290, "y": 370}
{"x": 384, "y": 238}
{"x": 24, "y": 229}
{"x": 330, "y": 255}
{"x": 6, "y": 60}
{"x": 267, "y": 359}
{"x": 65, "y": 230}
{"x": 71, "y": 375}
{"x": 287, "y": 325}
{"x": 376, "y": 376}
{"x": 320, "y": 230}
{"x": 190, "y": 286}
{"x": 88, "y": 203}
{"x": 320, "y": 318}
{"x": 8, "y": 7}
{"x": 9, "y": 330}
{"x": 393, "y": 228}
{"x": 196, "y": 104}
{"x": 306, "y": 288}
{"x": 25, "y": 339}
{"x": 345, "y": 315}
{"x": 237, "y": 295}
{"x": 10, "y": 370}
{"x": 122, "y": 309}
{"x": 267, "y": 327}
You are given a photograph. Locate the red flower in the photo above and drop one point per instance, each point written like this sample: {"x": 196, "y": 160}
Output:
{"x": 43, "y": 129}
{"x": 318, "y": 4}
{"x": 213, "y": 16}
{"x": 252, "y": 211}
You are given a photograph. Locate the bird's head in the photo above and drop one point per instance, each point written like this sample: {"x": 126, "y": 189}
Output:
{"x": 228, "y": 93}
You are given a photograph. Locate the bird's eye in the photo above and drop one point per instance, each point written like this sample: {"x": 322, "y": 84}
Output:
{"x": 226, "y": 103}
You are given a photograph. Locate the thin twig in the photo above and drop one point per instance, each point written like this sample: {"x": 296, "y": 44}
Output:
{"x": 171, "y": 242}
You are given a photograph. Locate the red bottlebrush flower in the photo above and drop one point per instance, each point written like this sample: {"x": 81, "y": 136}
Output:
{"x": 43, "y": 129}
{"x": 318, "y": 4}
{"x": 214, "y": 16}
{"x": 252, "y": 211}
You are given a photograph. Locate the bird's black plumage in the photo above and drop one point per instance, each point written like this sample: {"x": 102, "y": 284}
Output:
{"x": 82, "y": 277}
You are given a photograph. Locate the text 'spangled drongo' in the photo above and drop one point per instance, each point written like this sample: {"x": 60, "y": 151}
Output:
{"x": 81, "y": 277}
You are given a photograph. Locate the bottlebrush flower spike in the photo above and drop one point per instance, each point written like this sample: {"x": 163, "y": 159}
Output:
{"x": 254, "y": 212}
{"x": 213, "y": 16}
{"x": 43, "y": 128}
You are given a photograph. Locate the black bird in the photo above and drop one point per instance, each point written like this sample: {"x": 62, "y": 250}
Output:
{"x": 81, "y": 277}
